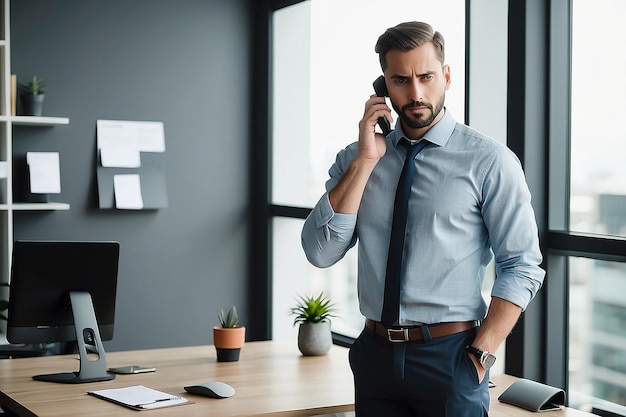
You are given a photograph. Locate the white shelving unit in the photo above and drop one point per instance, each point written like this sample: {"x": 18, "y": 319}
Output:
{"x": 7, "y": 121}
{"x": 38, "y": 120}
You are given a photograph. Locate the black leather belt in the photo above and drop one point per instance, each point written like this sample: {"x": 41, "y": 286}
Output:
{"x": 411, "y": 334}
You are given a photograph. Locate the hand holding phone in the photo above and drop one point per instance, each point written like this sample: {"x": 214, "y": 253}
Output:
{"x": 380, "y": 88}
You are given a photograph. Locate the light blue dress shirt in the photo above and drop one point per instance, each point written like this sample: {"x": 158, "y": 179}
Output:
{"x": 469, "y": 202}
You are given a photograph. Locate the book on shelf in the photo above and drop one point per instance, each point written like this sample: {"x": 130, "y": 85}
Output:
{"x": 13, "y": 94}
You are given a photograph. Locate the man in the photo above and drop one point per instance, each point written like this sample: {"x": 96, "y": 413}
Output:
{"x": 468, "y": 203}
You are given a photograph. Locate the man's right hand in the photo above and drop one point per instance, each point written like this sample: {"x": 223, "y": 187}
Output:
{"x": 346, "y": 196}
{"x": 372, "y": 145}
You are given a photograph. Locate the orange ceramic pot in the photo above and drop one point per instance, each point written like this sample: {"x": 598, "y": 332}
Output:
{"x": 228, "y": 342}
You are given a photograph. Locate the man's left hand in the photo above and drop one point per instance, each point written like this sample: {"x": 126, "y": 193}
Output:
{"x": 479, "y": 368}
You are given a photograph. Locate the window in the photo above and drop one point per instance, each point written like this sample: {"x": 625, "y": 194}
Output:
{"x": 322, "y": 73}
{"x": 587, "y": 205}
{"x": 597, "y": 306}
{"x": 597, "y": 332}
{"x": 598, "y": 179}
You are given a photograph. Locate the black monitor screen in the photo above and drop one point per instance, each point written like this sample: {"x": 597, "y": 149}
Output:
{"x": 42, "y": 275}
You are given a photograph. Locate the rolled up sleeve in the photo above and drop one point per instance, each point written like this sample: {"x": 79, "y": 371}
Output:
{"x": 326, "y": 235}
{"x": 509, "y": 216}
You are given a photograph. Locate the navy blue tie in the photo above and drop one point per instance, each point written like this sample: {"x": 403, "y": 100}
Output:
{"x": 391, "y": 305}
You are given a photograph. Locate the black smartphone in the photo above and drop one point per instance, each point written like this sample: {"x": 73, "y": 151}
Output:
{"x": 380, "y": 88}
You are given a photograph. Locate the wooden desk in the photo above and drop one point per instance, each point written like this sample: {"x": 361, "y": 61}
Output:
{"x": 271, "y": 378}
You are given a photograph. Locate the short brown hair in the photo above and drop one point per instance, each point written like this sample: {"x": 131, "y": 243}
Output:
{"x": 407, "y": 36}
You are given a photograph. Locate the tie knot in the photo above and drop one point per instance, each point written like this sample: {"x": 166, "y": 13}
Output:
{"x": 413, "y": 149}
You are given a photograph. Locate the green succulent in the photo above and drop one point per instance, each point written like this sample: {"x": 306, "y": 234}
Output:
{"x": 228, "y": 320}
{"x": 313, "y": 309}
{"x": 35, "y": 86}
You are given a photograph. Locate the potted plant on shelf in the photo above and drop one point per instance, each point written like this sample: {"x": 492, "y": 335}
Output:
{"x": 32, "y": 97}
{"x": 313, "y": 315}
{"x": 229, "y": 337}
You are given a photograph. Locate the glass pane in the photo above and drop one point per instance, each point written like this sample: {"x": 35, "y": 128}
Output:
{"x": 295, "y": 276}
{"x": 597, "y": 335}
{"x": 598, "y": 171}
{"x": 322, "y": 76}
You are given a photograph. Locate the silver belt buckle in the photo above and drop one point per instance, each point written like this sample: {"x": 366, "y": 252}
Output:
{"x": 404, "y": 332}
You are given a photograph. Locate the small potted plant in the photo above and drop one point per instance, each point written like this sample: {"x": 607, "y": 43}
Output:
{"x": 33, "y": 96}
{"x": 313, "y": 315}
{"x": 229, "y": 337}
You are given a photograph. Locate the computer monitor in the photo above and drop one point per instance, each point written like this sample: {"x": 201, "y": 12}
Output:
{"x": 65, "y": 291}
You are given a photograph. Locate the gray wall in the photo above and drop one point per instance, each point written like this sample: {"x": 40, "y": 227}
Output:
{"x": 185, "y": 63}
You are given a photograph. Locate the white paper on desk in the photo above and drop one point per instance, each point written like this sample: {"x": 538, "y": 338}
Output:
{"x": 44, "y": 172}
{"x": 131, "y": 136}
{"x": 127, "y": 189}
{"x": 139, "y": 396}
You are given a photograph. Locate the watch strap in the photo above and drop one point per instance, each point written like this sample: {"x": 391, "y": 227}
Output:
{"x": 474, "y": 351}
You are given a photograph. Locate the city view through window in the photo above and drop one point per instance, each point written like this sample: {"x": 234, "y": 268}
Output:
{"x": 597, "y": 322}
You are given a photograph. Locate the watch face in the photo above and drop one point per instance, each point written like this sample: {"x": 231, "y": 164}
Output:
{"x": 487, "y": 360}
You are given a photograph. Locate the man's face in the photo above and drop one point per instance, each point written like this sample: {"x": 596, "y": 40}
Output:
{"x": 417, "y": 81}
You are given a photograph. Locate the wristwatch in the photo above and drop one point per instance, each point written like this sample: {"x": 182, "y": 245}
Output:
{"x": 486, "y": 359}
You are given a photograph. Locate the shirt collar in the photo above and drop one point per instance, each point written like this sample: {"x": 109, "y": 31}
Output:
{"x": 439, "y": 134}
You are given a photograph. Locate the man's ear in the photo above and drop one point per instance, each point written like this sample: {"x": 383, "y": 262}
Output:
{"x": 446, "y": 75}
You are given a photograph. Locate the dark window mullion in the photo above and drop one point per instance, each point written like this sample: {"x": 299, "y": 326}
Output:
{"x": 289, "y": 211}
{"x": 556, "y": 286}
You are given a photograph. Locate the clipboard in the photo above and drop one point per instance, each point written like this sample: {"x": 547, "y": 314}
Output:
{"x": 139, "y": 397}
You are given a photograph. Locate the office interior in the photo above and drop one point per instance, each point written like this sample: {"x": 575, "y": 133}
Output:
{"x": 203, "y": 68}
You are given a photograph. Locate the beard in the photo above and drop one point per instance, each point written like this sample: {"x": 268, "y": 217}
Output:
{"x": 420, "y": 120}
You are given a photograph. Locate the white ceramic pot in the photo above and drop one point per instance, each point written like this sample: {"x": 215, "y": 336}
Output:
{"x": 315, "y": 339}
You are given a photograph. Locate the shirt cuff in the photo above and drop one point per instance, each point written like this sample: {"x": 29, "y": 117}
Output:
{"x": 325, "y": 217}
{"x": 342, "y": 222}
{"x": 511, "y": 293}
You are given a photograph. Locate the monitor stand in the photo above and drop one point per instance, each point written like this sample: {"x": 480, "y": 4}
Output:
{"x": 87, "y": 335}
